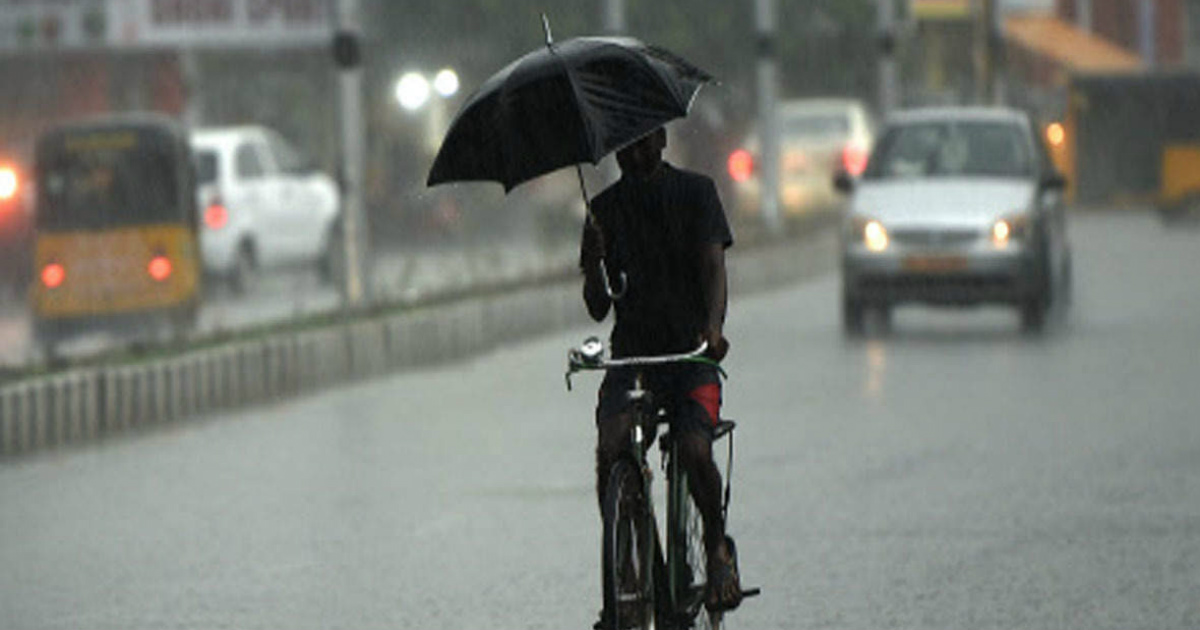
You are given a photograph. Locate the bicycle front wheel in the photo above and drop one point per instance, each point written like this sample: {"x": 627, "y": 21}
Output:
{"x": 695, "y": 559}
{"x": 628, "y": 550}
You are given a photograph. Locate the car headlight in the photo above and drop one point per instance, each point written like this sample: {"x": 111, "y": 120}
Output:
{"x": 1010, "y": 228}
{"x": 872, "y": 233}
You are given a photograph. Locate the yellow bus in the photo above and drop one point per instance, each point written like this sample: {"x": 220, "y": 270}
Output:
{"x": 116, "y": 229}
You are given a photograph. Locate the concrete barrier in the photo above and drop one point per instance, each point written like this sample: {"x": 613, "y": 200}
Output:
{"x": 84, "y": 404}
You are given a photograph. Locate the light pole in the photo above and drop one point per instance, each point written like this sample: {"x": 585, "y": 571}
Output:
{"x": 614, "y": 17}
{"x": 889, "y": 97}
{"x": 767, "y": 95}
{"x": 985, "y": 63}
{"x": 353, "y": 142}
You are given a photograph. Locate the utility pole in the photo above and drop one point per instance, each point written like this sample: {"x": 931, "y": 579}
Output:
{"x": 985, "y": 70}
{"x": 1083, "y": 17}
{"x": 768, "y": 88}
{"x": 889, "y": 97}
{"x": 346, "y": 50}
{"x": 189, "y": 65}
{"x": 1146, "y": 32}
{"x": 614, "y": 17}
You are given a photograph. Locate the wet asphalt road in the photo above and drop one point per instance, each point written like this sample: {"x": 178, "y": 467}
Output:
{"x": 951, "y": 474}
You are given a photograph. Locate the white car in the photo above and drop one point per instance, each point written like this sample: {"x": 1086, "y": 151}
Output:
{"x": 817, "y": 138}
{"x": 958, "y": 206}
{"x": 263, "y": 205}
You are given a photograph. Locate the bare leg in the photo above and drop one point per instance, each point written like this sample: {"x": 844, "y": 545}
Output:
{"x": 725, "y": 587}
{"x": 612, "y": 440}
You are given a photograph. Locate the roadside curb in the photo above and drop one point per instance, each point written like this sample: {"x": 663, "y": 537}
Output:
{"x": 88, "y": 403}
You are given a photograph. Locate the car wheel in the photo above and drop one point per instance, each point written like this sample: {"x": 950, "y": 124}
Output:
{"x": 883, "y": 317}
{"x": 47, "y": 338}
{"x": 1184, "y": 210}
{"x": 1033, "y": 314}
{"x": 333, "y": 259}
{"x": 1035, "y": 307}
{"x": 245, "y": 270}
{"x": 853, "y": 317}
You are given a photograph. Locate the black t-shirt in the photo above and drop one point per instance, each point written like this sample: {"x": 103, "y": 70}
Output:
{"x": 655, "y": 231}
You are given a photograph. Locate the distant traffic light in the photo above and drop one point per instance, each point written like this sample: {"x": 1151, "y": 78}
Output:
{"x": 347, "y": 52}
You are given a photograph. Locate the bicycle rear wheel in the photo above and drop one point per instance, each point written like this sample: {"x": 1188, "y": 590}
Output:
{"x": 628, "y": 551}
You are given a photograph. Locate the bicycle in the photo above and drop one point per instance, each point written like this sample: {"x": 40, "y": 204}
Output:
{"x": 643, "y": 587}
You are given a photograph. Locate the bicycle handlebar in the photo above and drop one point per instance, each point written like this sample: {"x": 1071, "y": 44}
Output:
{"x": 590, "y": 356}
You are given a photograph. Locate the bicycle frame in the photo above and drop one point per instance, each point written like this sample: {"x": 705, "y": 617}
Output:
{"x": 678, "y": 598}
{"x": 672, "y": 575}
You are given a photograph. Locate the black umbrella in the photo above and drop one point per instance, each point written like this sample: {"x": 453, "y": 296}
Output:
{"x": 571, "y": 102}
{"x": 562, "y": 105}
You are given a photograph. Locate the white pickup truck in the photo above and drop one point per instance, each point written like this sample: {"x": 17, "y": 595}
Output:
{"x": 263, "y": 205}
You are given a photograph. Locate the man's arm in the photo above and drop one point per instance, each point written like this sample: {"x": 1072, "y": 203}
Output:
{"x": 716, "y": 298}
{"x": 591, "y": 252}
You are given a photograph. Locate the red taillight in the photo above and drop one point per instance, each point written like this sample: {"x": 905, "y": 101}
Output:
{"x": 159, "y": 268}
{"x": 8, "y": 183}
{"x": 741, "y": 165}
{"x": 53, "y": 275}
{"x": 854, "y": 159}
{"x": 216, "y": 216}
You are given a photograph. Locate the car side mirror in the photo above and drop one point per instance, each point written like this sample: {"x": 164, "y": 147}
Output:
{"x": 843, "y": 182}
{"x": 1053, "y": 181}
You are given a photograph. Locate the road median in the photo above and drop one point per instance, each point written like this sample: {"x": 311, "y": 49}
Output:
{"x": 81, "y": 404}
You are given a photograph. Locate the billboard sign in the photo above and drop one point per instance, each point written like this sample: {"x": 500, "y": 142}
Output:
{"x": 219, "y": 23}
{"x": 73, "y": 24}
{"x": 52, "y": 23}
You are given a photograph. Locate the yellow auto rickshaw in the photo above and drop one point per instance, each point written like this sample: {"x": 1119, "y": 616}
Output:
{"x": 116, "y": 229}
{"x": 1131, "y": 139}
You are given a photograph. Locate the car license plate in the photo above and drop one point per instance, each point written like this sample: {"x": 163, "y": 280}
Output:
{"x": 935, "y": 264}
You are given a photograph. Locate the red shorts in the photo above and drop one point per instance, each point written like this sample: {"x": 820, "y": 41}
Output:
{"x": 690, "y": 392}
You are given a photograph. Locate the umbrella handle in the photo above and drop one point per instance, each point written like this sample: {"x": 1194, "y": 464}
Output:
{"x": 591, "y": 219}
{"x": 619, "y": 293}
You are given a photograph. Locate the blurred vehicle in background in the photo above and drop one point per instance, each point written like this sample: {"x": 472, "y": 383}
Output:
{"x": 16, "y": 226}
{"x": 957, "y": 206}
{"x": 116, "y": 245}
{"x": 1131, "y": 137}
{"x": 817, "y": 138}
{"x": 264, "y": 204}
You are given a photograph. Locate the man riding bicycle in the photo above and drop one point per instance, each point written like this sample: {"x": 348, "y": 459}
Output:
{"x": 654, "y": 252}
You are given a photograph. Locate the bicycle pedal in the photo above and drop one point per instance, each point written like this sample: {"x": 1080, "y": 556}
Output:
{"x": 751, "y": 592}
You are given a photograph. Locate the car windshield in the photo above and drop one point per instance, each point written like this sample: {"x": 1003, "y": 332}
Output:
{"x": 822, "y": 124}
{"x": 950, "y": 149}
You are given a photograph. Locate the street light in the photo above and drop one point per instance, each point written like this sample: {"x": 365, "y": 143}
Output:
{"x": 413, "y": 88}
{"x": 412, "y": 91}
{"x": 446, "y": 83}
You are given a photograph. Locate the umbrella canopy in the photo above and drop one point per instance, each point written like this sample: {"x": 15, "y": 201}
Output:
{"x": 568, "y": 103}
